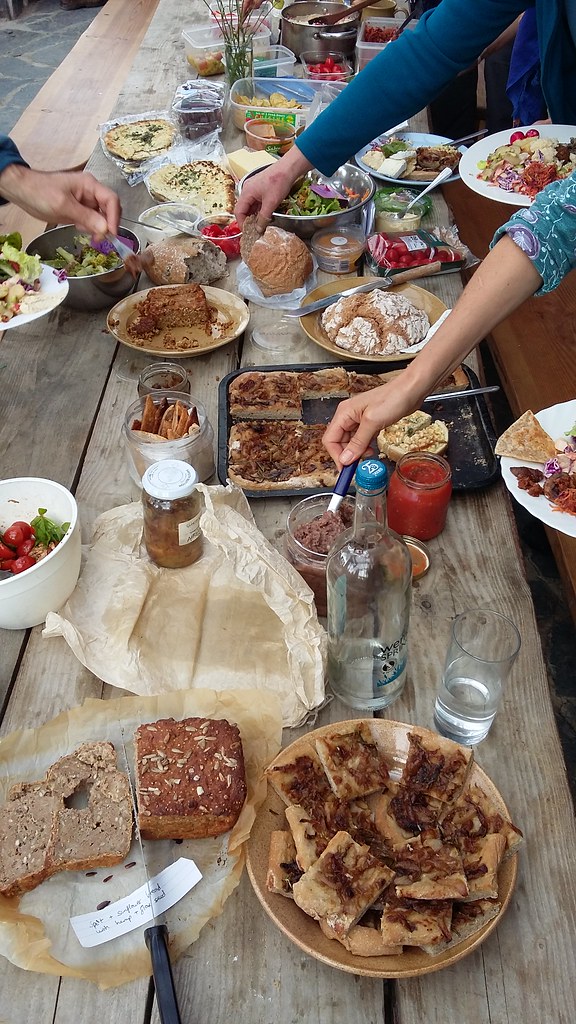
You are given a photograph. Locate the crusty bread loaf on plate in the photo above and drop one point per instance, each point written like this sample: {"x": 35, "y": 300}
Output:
{"x": 184, "y": 260}
{"x": 190, "y": 778}
{"x": 78, "y": 817}
{"x": 278, "y": 260}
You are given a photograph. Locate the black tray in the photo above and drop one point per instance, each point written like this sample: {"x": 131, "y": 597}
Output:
{"x": 470, "y": 447}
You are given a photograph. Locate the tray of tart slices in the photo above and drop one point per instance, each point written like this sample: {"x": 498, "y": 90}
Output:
{"x": 382, "y": 849}
{"x": 271, "y": 420}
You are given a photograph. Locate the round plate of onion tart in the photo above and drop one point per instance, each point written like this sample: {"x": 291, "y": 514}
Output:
{"x": 178, "y": 320}
{"x": 382, "y": 849}
{"x": 377, "y": 326}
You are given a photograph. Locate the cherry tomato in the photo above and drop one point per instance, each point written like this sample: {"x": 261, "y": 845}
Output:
{"x": 532, "y": 133}
{"x": 26, "y": 546}
{"x": 5, "y": 552}
{"x": 23, "y": 563}
{"x": 27, "y": 530}
{"x": 8, "y": 564}
{"x": 13, "y": 536}
{"x": 516, "y": 137}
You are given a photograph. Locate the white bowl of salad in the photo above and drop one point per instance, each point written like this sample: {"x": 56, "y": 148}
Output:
{"x": 40, "y": 549}
{"x": 96, "y": 275}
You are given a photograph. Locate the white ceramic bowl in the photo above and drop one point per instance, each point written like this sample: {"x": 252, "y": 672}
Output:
{"x": 26, "y": 599}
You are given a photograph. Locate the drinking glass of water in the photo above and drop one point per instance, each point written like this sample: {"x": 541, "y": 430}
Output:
{"x": 483, "y": 648}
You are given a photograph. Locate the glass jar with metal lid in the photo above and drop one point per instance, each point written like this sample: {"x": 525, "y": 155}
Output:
{"x": 171, "y": 509}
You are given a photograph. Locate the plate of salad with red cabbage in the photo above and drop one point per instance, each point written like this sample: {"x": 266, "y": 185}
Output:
{"x": 28, "y": 288}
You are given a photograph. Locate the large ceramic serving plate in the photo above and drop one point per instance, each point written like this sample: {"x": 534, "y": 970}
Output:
{"x": 556, "y": 420}
{"x": 232, "y": 319}
{"x": 312, "y": 324}
{"x": 482, "y": 149}
{"x": 305, "y": 932}
{"x": 415, "y": 139}
{"x": 51, "y": 289}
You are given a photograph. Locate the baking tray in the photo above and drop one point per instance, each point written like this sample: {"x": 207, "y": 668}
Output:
{"x": 470, "y": 447}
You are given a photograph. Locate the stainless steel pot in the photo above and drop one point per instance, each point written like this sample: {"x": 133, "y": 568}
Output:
{"x": 299, "y": 36}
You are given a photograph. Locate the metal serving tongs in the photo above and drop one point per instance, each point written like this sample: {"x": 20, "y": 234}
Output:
{"x": 346, "y": 475}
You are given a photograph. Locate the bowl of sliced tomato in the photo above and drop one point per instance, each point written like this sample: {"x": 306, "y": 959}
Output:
{"x": 224, "y": 231}
{"x": 40, "y": 549}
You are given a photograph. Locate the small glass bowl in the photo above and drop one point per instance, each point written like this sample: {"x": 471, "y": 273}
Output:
{"x": 309, "y": 563}
{"x": 396, "y": 222}
{"x": 163, "y": 377}
{"x": 275, "y": 139}
{"x": 342, "y": 69}
{"x": 229, "y": 243}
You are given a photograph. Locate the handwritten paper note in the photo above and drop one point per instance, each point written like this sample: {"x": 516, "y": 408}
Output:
{"x": 140, "y": 907}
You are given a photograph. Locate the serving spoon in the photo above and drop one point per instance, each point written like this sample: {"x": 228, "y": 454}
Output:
{"x": 441, "y": 176}
{"x": 332, "y": 19}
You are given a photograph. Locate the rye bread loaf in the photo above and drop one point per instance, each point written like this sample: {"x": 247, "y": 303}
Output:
{"x": 278, "y": 260}
{"x": 190, "y": 778}
{"x": 184, "y": 260}
{"x": 78, "y": 817}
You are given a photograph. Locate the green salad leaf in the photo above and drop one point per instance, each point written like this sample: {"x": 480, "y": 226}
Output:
{"x": 47, "y": 532}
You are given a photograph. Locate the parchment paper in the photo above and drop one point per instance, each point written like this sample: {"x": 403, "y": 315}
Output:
{"x": 240, "y": 616}
{"x": 35, "y": 933}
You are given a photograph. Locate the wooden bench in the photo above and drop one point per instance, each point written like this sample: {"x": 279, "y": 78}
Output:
{"x": 59, "y": 129}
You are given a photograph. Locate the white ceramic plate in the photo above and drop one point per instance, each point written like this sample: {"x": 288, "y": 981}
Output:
{"x": 233, "y": 316}
{"x": 50, "y": 287}
{"x": 556, "y": 421}
{"x": 416, "y": 139}
{"x": 481, "y": 150}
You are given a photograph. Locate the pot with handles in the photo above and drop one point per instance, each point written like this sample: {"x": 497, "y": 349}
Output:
{"x": 298, "y": 35}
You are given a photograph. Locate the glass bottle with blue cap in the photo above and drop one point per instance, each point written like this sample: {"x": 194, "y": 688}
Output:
{"x": 369, "y": 587}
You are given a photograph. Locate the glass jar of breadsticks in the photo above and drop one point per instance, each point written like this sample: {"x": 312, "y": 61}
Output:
{"x": 171, "y": 514}
{"x": 168, "y": 425}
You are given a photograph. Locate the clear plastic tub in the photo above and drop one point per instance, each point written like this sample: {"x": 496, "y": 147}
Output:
{"x": 365, "y": 50}
{"x": 297, "y": 91}
{"x": 204, "y": 45}
{"x": 336, "y": 67}
{"x": 339, "y": 249}
{"x": 276, "y": 62}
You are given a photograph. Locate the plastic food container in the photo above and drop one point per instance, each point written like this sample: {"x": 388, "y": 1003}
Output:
{"x": 197, "y": 109}
{"x": 196, "y": 450}
{"x": 204, "y": 46}
{"x": 266, "y": 100}
{"x": 366, "y": 50}
{"x": 338, "y": 250}
{"x": 325, "y": 67}
{"x": 276, "y": 62}
{"x": 311, "y": 564}
{"x": 223, "y": 230}
{"x": 262, "y": 134}
{"x": 396, "y": 222}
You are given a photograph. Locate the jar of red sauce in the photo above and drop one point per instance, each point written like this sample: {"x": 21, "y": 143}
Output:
{"x": 419, "y": 495}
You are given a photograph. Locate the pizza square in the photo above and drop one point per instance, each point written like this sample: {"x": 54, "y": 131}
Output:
{"x": 273, "y": 395}
{"x": 315, "y": 466}
{"x": 331, "y": 382}
{"x": 260, "y": 455}
{"x": 481, "y": 859}
{"x": 353, "y": 762}
{"x": 472, "y": 816}
{"x": 283, "y": 870}
{"x": 400, "y": 813}
{"x": 409, "y": 922}
{"x": 436, "y": 766}
{"x": 467, "y": 919}
{"x": 342, "y": 884}
{"x": 301, "y": 780}
{"x": 310, "y": 832}
{"x": 363, "y": 939}
{"x": 429, "y": 869}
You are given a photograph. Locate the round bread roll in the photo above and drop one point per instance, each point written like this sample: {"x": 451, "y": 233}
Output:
{"x": 184, "y": 260}
{"x": 279, "y": 260}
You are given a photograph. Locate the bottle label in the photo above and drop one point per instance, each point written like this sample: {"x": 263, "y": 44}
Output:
{"x": 392, "y": 661}
{"x": 189, "y": 531}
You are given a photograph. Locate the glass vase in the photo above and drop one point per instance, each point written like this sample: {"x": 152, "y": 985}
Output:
{"x": 238, "y": 60}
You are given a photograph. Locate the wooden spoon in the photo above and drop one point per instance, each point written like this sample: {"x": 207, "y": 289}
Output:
{"x": 332, "y": 19}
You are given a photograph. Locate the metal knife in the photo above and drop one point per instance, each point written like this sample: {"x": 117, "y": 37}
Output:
{"x": 378, "y": 282}
{"x": 156, "y": 936}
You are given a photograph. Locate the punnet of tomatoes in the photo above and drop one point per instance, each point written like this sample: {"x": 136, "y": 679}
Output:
{"x": 23, "y": 544}
{"x": 402, "y": 252}
{"x": 330, "y": 69}
{"x": 225, "y": 235}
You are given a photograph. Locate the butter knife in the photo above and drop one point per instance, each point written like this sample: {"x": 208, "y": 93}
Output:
{"x": 377, "y": 282}
{"x": 156, "y": 936}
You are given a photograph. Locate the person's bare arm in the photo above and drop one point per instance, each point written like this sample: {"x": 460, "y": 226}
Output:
{"x": 65, "y": 197}
{"x": 264, "y": 191}
{"x": 504, "y": 280}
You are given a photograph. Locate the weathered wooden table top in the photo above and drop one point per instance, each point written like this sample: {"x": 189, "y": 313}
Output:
{"x": 65, "y": 388}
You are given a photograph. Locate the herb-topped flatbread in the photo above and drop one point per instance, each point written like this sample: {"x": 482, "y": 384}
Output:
{"x": 202, "y": 182}
{"x": 140, "y": 140}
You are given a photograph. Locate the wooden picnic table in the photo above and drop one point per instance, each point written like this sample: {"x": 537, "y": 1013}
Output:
{"x": 65, "y": 387}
